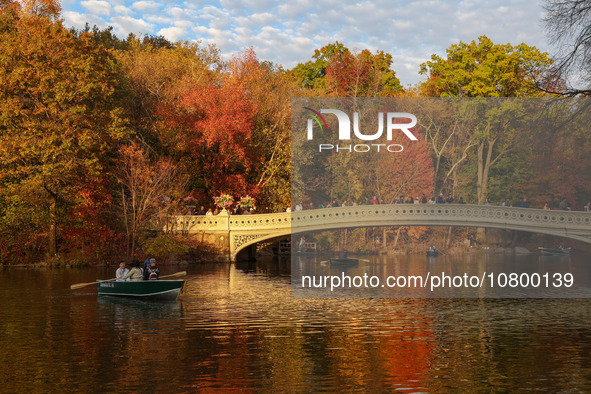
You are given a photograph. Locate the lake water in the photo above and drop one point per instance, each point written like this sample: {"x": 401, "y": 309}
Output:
{"x": 237, "y": 327}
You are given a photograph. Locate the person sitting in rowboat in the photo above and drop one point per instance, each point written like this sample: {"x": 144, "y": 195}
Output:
{"x": 121, "y": 271}
{"x": 152, "y": 271}
{"x": 136, "y": 272}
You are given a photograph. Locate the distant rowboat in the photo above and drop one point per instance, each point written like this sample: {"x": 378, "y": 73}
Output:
{"x": 345, "y": 261}
{"x": 555, "y": 251}
{"x": 143, "y": 289}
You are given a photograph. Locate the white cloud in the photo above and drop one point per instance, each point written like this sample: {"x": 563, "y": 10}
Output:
{"x": 172, "y": 33}
{"x": 144, "y": 6}
{"x": 75, "y": 19}
{"x": 256, "y": 20}
{"x": 121, "y": 9}
{"x": 160, "y": 20}
{"x": 126, "y": 24}
{"x": 177, "y": 12}
{"x": 79, "y": 20}
{"x": 97, "y": 7}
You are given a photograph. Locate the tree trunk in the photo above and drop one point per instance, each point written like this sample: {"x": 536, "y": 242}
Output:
{"x": 484, "y": 165}
{"x": 52, "y": 233}
{"x": 52, "y": 224}
{"x": 396, "y": 239}
{"x": 448, "y": 238}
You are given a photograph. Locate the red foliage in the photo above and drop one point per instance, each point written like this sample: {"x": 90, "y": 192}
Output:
{"x": 347, "y": 76}
{"x": 213, "y": 126}
{"x": 408, "y": 173}
{"x": 91, "y": 231}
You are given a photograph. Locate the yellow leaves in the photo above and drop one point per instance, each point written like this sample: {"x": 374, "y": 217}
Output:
{"x": 484, "y": 69}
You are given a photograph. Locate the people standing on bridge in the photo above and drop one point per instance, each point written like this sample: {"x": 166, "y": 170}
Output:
{"x": 524, "y": 203}
{"x": 563, "y": 206}
{"x": 439, "y": 199}
{"x": 506, "y": 203}
{"x": 587, "y": 207}
{"x": 424, "y": 199}
{"x": 374, "y": 201}
{"x": 463, "y": 202}
{"x": 121, "y": 271}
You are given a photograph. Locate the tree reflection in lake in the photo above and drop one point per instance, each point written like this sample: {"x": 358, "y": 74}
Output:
{"x": 238, "y": 327}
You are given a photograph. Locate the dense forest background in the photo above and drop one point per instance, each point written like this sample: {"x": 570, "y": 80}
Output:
{"x": 102, "y": 137}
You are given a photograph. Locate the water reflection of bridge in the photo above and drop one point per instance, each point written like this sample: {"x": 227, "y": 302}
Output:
{"x": 236, "y": 233}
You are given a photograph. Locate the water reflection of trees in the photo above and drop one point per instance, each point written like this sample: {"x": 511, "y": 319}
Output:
{"x": 239, "y": 330}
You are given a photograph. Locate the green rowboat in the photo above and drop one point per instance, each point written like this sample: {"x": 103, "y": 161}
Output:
{"x": 345, "y": 261}
{"x": 555, "y": 252}
{"x": 143, "y": 289}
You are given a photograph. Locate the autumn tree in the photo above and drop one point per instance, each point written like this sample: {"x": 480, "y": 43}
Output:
{"x": 361, "y": 75}
{"x": 559, "y": 164}
{"x": 150, "y": 189}
{"x": 409, "y": 172}
{"x": 213, "y": 127}
{"x": 233, "y": 133}
{"x": 484, "y": 69}
{"x": 157, "y": 76}
{"x": 58, "y": 116}
{"x": 311, "y": 75}
{"x": 269, "y": 87}
{"x": 337, "y": 71}
{"x": 447, "y": 125}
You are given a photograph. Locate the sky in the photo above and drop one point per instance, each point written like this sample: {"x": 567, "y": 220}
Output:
{"x": 287, "y": 33}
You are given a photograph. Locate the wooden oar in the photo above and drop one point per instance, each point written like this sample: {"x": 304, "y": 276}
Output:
{"x": 181, "y": 273}
{"x": 80, "y": 285}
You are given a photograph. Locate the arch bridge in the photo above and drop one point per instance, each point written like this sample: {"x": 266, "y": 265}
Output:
{"x": 233, "y": 234}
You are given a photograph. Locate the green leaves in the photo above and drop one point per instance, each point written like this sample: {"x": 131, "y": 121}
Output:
{"x": 484, "y": 69}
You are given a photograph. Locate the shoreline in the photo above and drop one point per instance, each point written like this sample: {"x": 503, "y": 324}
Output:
{"x": 452, "y": 251}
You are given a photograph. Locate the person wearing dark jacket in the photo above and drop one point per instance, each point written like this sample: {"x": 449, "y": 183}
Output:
{"x": 152, "y": 272}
